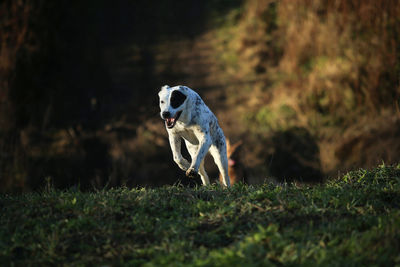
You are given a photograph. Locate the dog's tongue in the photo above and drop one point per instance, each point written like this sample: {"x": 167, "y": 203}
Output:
{"x": 170, "y": 121}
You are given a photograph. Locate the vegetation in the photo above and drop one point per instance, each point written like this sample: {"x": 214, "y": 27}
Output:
{"x": 329, "y": 67}
{"x": 311, "y": 88}
{"x": 350, "y": 221}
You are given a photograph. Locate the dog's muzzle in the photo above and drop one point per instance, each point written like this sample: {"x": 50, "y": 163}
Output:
{"x": 171, "y": 121}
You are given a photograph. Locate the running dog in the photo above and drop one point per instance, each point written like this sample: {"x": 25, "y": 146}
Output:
{"x": 188, "y": 118}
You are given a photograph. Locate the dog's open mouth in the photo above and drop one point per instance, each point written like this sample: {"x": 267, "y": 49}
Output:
{"x": 170, "y": 122}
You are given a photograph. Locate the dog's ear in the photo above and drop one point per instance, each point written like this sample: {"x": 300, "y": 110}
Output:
{"x": 164, "y": 87}
{"x": 184, "y": 88}
{"x": 230, "y": 149}
{"x": 177, "y": 98}
{"x": 236, "y": 145}
{"x": 228, "y": 142}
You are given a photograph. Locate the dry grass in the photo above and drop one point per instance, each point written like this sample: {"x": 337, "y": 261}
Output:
{"x": 331, "y": 67}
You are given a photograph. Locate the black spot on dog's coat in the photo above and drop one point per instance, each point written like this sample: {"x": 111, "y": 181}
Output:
{"x": 177, "y": 99}
{"x": 197, "y": 106}
{"x": 198, "y": 101}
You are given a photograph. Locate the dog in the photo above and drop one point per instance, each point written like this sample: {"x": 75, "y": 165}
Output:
{"x": 187, "y": 117}
{"x": 236, "y": 170}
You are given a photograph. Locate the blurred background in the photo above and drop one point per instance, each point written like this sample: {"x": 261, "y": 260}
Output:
{"x": 311, "y": 88}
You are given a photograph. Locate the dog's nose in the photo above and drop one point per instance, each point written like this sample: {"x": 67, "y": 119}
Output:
{"x": 166, "y": 114}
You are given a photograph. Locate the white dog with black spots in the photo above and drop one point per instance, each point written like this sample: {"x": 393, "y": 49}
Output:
{"x": 188, "y": 118}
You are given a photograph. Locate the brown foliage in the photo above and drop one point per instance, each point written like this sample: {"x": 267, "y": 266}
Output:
{"x": 330, "y": 67}
{"x": 76, "y": 81}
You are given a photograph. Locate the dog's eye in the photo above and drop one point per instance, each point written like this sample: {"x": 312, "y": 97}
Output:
{"x": 162, "y": 102}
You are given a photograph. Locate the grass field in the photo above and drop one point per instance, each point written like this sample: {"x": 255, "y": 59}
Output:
{"x": 350, "y": 221}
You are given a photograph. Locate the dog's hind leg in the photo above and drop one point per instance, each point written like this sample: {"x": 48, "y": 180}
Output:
{"x": 221, "y": 160}
{"x": 203, "y": 174}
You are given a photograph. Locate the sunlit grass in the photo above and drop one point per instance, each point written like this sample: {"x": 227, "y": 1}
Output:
{"x": 351, "y": 220}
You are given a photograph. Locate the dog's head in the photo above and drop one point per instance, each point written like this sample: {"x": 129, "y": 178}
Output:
{"x": 232, "y": 152}
{"x": 172, "y": 104}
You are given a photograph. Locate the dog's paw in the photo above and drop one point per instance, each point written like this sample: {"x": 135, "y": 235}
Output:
{"x": 191, "y": 173}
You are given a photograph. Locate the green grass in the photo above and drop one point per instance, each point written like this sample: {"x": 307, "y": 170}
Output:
{"x": 351, "y": 221}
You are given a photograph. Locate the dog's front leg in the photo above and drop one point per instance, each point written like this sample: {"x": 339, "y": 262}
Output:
{"x": 204, "y": 145}
{"x": 175, "y": 143}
